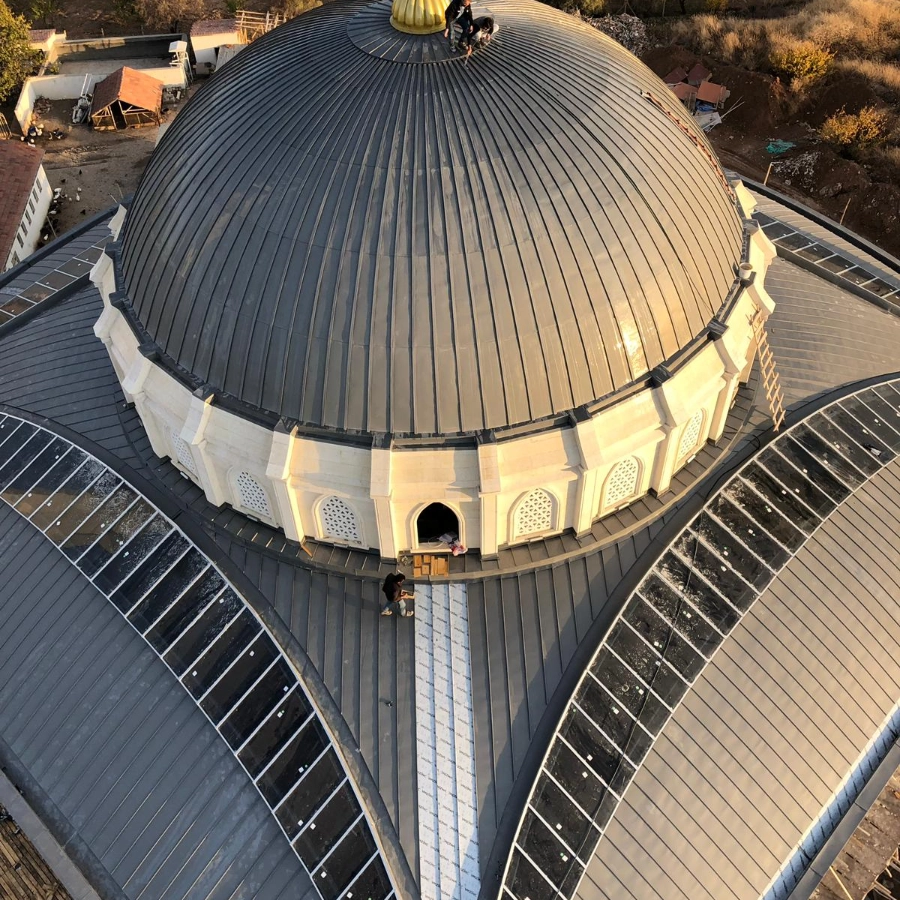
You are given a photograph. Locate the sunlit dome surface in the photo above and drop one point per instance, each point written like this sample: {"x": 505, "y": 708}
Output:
{"x": 348, "y": 228}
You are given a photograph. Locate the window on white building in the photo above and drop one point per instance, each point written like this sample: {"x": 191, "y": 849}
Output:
{"x": 252, "y": 495}
{"x": 690, "y": 437}
{"x": 621, "y": 483}
{"x": 183, "y": 452}
{"x": 533, "y": 515}
{"x": 339, "y": 522}
{"x": 19, "y": 239}
{"x": 27, "y": 217}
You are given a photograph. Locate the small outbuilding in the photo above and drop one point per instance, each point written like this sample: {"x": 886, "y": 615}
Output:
{"x": 209, "y": 38}
{"x": 126, "y": 99}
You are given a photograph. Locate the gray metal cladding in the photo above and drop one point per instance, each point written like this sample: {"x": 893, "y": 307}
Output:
{"x": 782, "y": 715}
{"x": 739, "y": 548}
{"x": 367, "y": 244}
{"x": 119, "y": 748}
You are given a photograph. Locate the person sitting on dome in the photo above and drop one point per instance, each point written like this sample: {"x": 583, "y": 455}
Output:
{"x": 459, "y": 12}
{"x": 482, "y": 30}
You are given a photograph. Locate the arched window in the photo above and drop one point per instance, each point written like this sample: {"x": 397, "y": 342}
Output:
{"x": 690, "y": 436}
{"x": 621, "y": 483}
{"x": 252, "y": 495}
{"x": 533, "y": 514}
{"x": 338, "y": 522}
{"x": 183, "y": 452}
{"x": 435, "y": 521}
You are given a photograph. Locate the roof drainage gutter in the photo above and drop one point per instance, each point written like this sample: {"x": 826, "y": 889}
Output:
{"x": 846, "y": 826}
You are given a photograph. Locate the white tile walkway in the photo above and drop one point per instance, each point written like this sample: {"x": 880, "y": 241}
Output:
{"x": 448, "y": 829}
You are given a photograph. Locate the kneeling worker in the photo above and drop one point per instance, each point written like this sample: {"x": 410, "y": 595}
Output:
{"x": 482, "y": 30}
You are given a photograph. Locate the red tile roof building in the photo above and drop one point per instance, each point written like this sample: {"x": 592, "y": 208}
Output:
{"x": 23, "y": 192}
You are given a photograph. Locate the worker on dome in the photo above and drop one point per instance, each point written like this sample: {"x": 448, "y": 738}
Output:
{"x": 458, "y": 12}
{"x": 482, "y": 30}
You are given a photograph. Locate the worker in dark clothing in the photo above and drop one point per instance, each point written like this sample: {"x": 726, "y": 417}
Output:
{"x": 451, "y": 13}
{"x": 464, "y": 21}
{"x": 396, "y": 599}
{"x": 482, "y": 30}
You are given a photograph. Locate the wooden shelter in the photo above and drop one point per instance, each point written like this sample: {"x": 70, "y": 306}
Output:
{"x": 126, "y": 99}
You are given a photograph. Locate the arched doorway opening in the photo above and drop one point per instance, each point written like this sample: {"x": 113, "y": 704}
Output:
{"x": 434, "y": 521}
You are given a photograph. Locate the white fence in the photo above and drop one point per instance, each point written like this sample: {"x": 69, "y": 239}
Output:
{"x": 53, "y": 87}
{"x": 71, "y": 87}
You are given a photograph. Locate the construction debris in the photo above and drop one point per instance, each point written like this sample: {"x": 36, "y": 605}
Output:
{"x": 777, "y": 147}
{"x": 698, "y": 75}
{"x": 701, "y": 96}
{"x": 629, "y": 31}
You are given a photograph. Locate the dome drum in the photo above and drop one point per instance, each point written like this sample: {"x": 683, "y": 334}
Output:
{"x": 374, "y": 488}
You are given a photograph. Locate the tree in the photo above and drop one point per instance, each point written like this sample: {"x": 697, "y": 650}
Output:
{"x": 45, "y": 11}
{"x": 17, "y": 59}
{"x": 172, "y": 15}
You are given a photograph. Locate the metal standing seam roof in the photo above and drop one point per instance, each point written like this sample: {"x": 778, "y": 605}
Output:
{"x": 123, "y": 762}
{"x": 366, "y": 244}
{"x": 804, "y": 694}
{"x": 54, "y": 367}
{"x": 655, "y": 655}
{"x": 212, "y": 642}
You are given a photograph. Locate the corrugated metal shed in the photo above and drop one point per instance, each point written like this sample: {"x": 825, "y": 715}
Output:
{"x": 119, "y": 748}
{"x": 358, "y": 243}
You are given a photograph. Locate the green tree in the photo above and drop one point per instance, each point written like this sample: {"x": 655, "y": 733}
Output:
{"x": 45, "y": 11}
{"x": 17, "y": 59}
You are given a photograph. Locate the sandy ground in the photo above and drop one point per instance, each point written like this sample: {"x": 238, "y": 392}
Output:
{"x": 93, "y": 169}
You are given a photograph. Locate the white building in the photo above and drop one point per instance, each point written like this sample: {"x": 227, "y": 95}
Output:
{"x": 213, "y": 42}
{"x": 25, "y": 197}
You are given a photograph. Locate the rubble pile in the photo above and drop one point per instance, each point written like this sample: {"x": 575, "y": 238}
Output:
{"x": 629, "y": 31}
{"x": 801, "y": 167}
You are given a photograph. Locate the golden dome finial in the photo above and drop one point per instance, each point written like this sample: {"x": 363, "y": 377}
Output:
{"x": 418, "y": 16}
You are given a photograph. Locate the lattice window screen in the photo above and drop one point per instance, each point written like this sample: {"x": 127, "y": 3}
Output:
{"x": 622, "y": 482}
{"x": 534, "y": 514}
{"x": 253, "y": 496}
{"x": 690, "y": 435}
{"x": 339, "y": 522}
{"x": 183, "y": 452}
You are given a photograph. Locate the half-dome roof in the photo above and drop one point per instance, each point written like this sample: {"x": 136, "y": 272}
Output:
{"x": 350, "y": 228}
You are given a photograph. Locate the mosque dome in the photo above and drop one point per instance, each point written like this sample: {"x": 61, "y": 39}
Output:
{"x": 375, "y": 292}
{"x": 352, "y": 228}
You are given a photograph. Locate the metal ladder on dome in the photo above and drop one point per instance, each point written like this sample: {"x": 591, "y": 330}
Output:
{"x": 769, "y": 373}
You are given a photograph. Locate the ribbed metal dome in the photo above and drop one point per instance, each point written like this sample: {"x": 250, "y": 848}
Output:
{"x": 351, "y": 228}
